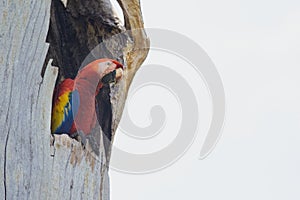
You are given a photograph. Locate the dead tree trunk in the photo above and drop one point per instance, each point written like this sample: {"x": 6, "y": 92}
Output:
{"x": 32, "y": 167}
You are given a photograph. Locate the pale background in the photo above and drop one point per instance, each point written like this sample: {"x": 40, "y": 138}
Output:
{"x": 255, "y": 46}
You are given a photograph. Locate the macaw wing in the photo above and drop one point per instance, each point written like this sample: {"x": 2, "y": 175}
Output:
{"x": 64, "y": 110}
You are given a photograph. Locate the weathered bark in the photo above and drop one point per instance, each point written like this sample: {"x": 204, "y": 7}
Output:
{"x": 32, "y": 166}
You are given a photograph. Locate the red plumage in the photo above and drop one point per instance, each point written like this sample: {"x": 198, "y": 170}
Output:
{"x": 74, "y": 100}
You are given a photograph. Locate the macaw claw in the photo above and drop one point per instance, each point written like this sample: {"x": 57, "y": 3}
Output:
{"x": 80, "y": 137}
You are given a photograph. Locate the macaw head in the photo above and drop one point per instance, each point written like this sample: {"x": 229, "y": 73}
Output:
{"x": 102, "y": 70}
{"x": 105, "y": 66}
{"x": 110, "y": 70}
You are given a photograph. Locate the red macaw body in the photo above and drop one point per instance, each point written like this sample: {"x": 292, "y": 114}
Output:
{"x": 74, "y": 100}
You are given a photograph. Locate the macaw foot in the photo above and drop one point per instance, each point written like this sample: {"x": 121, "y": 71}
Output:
{"x": 80, "y": 137}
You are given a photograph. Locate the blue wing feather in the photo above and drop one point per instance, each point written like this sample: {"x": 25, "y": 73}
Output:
{"x": 70, "y": 111}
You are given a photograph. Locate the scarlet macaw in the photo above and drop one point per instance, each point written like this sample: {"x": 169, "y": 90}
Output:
{"x": 74, "y": 106}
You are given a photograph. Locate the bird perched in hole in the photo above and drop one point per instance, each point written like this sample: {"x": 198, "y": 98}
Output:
{"x": 73, "y": 109}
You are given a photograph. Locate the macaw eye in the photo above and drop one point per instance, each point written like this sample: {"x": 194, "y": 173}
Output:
{"x": 108, "y": 63}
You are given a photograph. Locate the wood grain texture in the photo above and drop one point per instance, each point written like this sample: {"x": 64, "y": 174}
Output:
{"x": 22, "y": 144}
{"x": 34, "y": 165}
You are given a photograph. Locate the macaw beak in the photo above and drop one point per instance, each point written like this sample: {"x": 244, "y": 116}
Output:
{"x": 114, "y": 74}
{"x": 118, "y": 65}
{"x": 119, "y": 70}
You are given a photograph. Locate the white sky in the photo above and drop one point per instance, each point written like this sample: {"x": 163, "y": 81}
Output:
{"x": 255, "y": 46}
